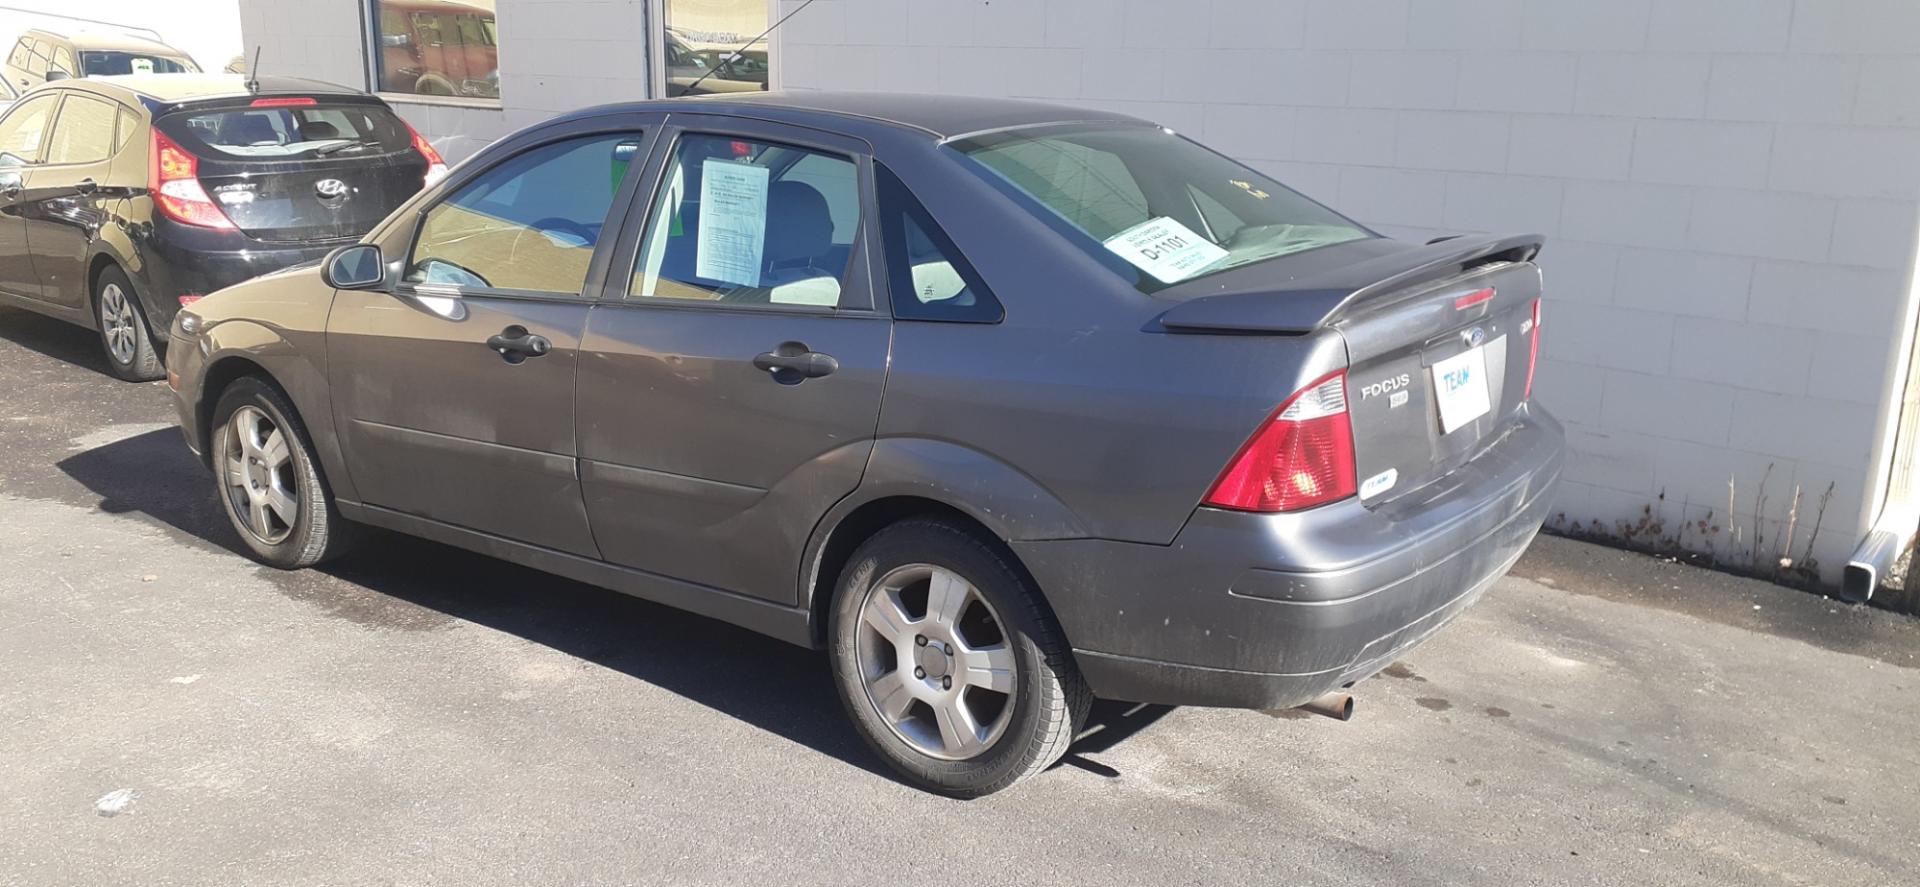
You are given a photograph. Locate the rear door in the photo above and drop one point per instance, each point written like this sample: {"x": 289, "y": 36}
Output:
{"x": 23, "y": 140}
{"x": 454, "y": 392}
{"x": 292, "y": 168}
{"x": 730, "y": 381}
{"x": 69, "y": 196}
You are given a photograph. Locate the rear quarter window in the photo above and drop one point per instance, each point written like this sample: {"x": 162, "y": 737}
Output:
{"x": 289, "y": 133}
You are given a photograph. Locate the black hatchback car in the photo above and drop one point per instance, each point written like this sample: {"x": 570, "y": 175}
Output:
{"x": 123, "y": 198}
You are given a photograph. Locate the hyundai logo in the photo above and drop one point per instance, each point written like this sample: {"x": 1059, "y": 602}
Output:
{"x": 1475, "y": 337}
{"x": 330, "y": 189}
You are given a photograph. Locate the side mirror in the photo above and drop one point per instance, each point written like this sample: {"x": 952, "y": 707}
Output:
{"x": 355, "y": 267}
{"x": 56, "y": 76}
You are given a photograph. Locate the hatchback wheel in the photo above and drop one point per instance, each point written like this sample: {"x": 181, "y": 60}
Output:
{"x": 948, "y": 662}
{"x": 124, "y": 334}
{"x": 268, "y": 479}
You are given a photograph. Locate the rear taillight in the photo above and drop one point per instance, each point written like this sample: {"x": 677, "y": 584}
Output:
{"x": 1301, "y": 457}
{"x": 436, "y": 167}
{"x": 1533, "y": 348}
{"x": 173, "y": 176}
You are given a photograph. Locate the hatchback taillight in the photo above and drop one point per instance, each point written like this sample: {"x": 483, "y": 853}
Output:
{"x": 1533, "y": 349}
{"x": 173, "y": 177}
{"x": 436, "y": 167}
{"x": 1300, "y": 457}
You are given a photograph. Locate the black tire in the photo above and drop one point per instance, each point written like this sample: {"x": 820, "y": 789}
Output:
{"x": 125, "y": 337}
{"x": 317, "y": 532}
{"x": 1049, "y": 700}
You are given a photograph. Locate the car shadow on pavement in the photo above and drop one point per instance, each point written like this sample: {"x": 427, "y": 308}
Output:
{"x": 397, "y": 582}
{"x": 57, "y": 339}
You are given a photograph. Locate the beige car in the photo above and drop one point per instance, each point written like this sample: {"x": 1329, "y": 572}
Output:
{"x": 39, "y": 56}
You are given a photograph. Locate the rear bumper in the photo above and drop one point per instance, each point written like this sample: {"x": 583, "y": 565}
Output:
{"x": 1270, "y": 611}
{"x": 183, "y": 260}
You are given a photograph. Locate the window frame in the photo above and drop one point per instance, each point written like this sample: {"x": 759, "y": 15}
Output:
{"x": 937, "y": 234}
{"x": 114, "y": 145}
{"x": 647, "y": 132}
{"x": 370, "y": 52}
{"x": 657, "y": 48}
{"x": 857, "y": 288}
{"x": 37, "y": 161}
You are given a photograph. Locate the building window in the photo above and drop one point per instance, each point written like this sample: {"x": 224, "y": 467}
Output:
{"x": 437, "y": 48}
{"x": 705, "y": 48}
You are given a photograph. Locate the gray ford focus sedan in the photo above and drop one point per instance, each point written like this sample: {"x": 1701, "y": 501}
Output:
{"x": 1004, "y": 405}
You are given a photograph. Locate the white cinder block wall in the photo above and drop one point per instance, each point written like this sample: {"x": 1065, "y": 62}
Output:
{"x": 1730, "y": 189}
{"x": 555, "y": 56}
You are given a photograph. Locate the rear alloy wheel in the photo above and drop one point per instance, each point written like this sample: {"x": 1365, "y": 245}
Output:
{"x": 124, "y": 334}
{"x": 948, "y": 663}
{"x": 269, "y": 480}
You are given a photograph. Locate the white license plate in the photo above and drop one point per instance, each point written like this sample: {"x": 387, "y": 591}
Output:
{"x": 1460, "y": 388}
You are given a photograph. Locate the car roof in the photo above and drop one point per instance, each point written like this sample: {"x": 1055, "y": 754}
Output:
{"x": 85, "y": 40}
{"x": 172, "y": 88}
{"x": 942, "y": 116}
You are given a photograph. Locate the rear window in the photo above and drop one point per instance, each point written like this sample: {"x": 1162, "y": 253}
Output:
{"x": 289, "y": 133}
{"x": 105, "y": 63}
{"x": 1156, "y": 207}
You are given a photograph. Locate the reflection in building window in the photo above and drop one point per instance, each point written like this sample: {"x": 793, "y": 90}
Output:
{"x": 437, "y": 47}
{"x": 706, "y": 49}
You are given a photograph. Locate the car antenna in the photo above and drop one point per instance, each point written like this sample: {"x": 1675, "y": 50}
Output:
{"x": 743, "y": 48}
{"x": 253, "y": 71}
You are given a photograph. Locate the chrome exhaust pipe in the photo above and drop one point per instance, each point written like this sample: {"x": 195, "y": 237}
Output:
{"x": 1336, "y": 705}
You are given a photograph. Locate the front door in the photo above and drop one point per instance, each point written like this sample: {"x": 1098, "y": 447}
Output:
{"x": 454, "y": 392}
{"x": 730, "y": 389}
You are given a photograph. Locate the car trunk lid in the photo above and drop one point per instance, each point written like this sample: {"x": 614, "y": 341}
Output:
{"x": 1439, "y": 345}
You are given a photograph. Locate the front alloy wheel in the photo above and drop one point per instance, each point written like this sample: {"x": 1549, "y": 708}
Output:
{"x": 261, "y": 482}
{"x": 269, "y": 479}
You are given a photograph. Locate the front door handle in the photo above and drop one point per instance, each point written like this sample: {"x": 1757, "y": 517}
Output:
{"x": 514, "y": 344}
{"x": 86, "y": 186}
{"x": 792, "y": 363}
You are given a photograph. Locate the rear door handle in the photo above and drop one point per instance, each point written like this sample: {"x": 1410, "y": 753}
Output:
{"x": 792, "y": 363}
{"x": 514, "y": 344}
{"x": 86, "y": 186}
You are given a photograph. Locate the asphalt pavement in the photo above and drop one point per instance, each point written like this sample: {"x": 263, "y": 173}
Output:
{"x": 172, "y": 713}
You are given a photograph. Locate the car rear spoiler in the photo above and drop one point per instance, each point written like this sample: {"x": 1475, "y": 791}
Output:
{"x": 1310, "y": 303}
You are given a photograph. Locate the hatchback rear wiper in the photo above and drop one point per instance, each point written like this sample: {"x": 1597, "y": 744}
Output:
{"x": 335, "y": 149}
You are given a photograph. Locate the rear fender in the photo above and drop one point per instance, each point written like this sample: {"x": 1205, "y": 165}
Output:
{"x": 1010, "y": 504}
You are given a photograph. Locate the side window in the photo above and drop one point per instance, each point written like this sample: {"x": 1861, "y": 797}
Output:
{"x": 927, "y": 277}
{"x": 63, "y": 61}
{"x": 37, "y": 60}
{"x": 529, "y": 223}
{"x": 129, "y": 124}
{"x": 750, "y": 222}
{"x": 18, "y": 58}
{"x": 83, "y": 133}
{"x": 23, "y": 129}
